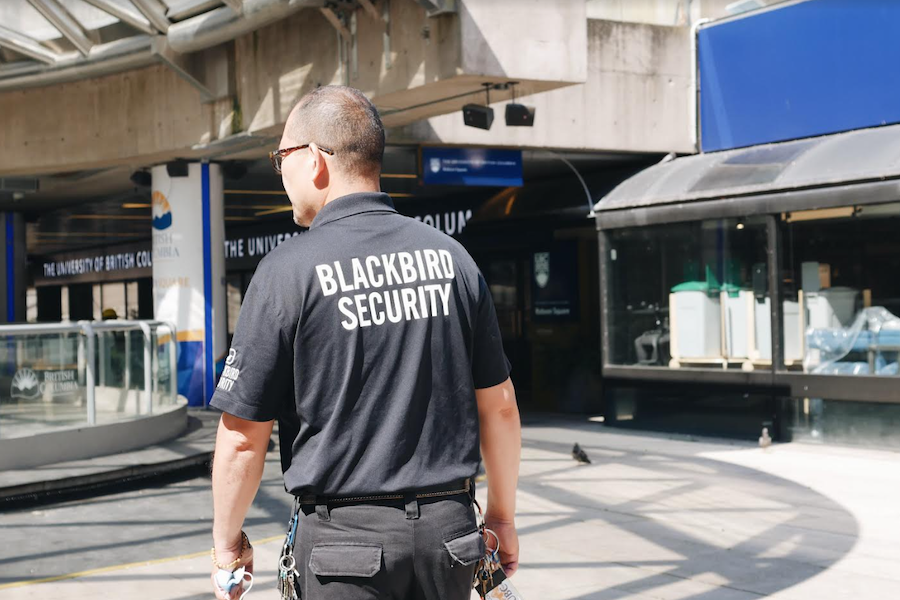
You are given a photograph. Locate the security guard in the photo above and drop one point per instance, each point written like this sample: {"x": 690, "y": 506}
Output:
{"x": 373, "y": 340}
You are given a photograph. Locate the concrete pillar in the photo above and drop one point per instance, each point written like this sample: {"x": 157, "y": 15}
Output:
{"x": 13, "y": 258}
{"x": 189, "y": 269}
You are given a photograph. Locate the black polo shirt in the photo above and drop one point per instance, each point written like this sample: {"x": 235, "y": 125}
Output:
{"x": 366, "y": 338}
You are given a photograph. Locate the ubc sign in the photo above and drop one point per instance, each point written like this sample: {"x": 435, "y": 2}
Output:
{"x": 471, "y": 166}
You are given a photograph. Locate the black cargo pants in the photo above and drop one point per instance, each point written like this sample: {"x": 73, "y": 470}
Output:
{"x": 425, "y": 549}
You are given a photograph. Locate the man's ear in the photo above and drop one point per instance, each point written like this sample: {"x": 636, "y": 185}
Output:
{"x": 320, "y": 175}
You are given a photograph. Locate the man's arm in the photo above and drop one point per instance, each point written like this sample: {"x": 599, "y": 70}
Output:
{"x": 238, "y": 464}
{"x": 501, "y": 448}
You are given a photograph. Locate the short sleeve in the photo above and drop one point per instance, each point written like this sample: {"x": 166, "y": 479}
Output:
{"x": 258, "y": 376}
{"x": 490, "y": 366}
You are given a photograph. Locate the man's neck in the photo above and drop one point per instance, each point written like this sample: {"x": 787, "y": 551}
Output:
{"x": 355, "y": 187}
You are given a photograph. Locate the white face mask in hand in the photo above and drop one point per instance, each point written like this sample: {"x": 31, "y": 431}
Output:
{"x": 228, "y": 580}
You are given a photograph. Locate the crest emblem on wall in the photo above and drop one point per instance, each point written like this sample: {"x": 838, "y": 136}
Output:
{"x": 542, "y": 268}
{"x": 25, "y": 385}
{"x": 435, "y": 165}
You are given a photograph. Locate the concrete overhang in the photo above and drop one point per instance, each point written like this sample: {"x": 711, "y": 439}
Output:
{"x": 412, "y": 65}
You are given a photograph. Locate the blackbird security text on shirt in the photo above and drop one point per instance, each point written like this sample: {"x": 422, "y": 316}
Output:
{"x": 418, "y": 298}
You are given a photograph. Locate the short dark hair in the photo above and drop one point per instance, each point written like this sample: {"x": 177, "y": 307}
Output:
{"x": 341, "y": 119}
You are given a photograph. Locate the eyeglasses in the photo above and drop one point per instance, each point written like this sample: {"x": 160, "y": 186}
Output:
{"x": 277, "y": 157}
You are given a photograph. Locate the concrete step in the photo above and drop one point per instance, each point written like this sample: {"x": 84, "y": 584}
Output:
{"x": 189, "y": 451}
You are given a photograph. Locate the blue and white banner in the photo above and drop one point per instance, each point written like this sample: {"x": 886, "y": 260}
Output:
{"x": 189, "y": 270}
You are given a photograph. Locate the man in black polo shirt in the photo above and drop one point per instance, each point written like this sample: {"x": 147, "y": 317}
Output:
{"x": 373, "y": 340}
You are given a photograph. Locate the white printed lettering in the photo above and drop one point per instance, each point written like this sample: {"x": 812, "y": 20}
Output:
{"x": 420, "y": 264}
{"x": 377, "y": 315}
{"x": 405, "y": 302}
{"x": 359, "y": 275}
{"x": 393, "y": 317}
{"x": 447, "y": 264}
{"x": 406, "y": 266}
{"x": 371, "y": 263}
{"x": 444, "y": 291}
{"x": 390, "y": 271}
{"x": 351, "y": 322}
{"x": 326, "y": 279}
{"x": 433, "y": 263}
{"x": 409, "y": 303}
{"x": 345, "y": 287}
{"x": 362, "y": 309}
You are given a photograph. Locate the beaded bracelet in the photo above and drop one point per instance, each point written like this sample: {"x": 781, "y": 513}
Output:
{"x": 245, "y": 544}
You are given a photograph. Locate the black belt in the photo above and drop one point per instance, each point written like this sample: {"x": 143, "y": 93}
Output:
{"x": 438, "y": 491}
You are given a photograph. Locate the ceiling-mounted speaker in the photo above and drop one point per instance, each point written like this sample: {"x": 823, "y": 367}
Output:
{"x": 519, "y": 115}
{"x": 177, "y": 168}
{"x": 476, "y": 115}
{"x": 141, "y": 178}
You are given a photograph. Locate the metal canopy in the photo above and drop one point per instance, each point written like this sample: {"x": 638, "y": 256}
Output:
{"x": 51, "y": 41}
{"x": 864, "y": 155}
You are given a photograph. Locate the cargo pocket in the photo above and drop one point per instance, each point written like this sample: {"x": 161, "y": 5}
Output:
{"x": 345, "y": 559}
{"x": 466, "y": 549}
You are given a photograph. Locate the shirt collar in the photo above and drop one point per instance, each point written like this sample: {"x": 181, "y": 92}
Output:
{"x": 353, "y": 204}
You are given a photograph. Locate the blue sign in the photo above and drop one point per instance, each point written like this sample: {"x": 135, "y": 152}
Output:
{"x": 471, "y": 166}
{"x": 808, "y": 69}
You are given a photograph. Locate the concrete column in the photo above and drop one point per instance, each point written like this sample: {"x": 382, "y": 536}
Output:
{"x": 189, "y": 269}
{"x": 13, "y": 258}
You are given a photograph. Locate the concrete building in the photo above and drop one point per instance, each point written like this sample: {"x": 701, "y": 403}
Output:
{"x": 133, "y": 177}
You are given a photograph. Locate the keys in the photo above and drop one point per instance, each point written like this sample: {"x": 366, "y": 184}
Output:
{"x": 288, "y": 576}
{"x": 488, "y": 573}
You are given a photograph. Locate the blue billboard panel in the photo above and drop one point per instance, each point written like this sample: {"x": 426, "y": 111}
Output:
{"x": 471, "y": 166}
{"x": 807, "y": 69}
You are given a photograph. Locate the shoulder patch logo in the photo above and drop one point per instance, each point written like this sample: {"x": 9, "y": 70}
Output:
{"x": 229, "y": 373}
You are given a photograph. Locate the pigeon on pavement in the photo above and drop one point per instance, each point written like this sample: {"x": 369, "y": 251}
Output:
{"x": 580, "y": 455}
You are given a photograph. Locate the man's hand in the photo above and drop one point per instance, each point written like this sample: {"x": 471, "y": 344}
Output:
{"x": 246, "y": 561}
{"x": 509, "y": 542}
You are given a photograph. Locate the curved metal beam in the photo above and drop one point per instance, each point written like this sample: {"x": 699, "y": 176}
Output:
{"x": 153, "y": 14}
{"x": 83, "y": 68}
{"x": 28, "y": 46}
{"x": 235, "y": 5}
{"x": 191, "y": 35}
{"x": 185, "y": 9}
{"x": 65, "y": 23}
{"x": 124, "y": 14}
{"x": 223, "y": 24}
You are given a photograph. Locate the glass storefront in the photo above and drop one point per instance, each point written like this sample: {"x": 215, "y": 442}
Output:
{"x": 757, "y": 288}
{"x": 842, "y": 264}
{"x": 696, "y": 294}
{"x": 691, "y": 295}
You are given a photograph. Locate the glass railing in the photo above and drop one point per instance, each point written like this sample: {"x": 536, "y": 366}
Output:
{"x": 55, "y": 375}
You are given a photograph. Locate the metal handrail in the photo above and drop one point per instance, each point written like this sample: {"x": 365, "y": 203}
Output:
{"x": 87, "y": 349}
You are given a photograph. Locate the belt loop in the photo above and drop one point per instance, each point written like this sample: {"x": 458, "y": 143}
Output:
{"x": 322, "y": 511}
{"x": 412, "y": 506}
